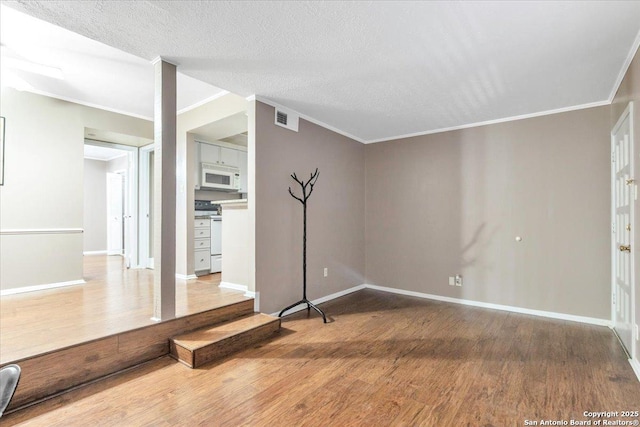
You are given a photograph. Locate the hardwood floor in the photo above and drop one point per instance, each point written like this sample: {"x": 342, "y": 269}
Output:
{"x": 113, "y": 300}
{"x": 383, "y": 360}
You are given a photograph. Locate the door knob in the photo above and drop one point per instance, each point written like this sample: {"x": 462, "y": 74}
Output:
{"x": 624, "y": 248}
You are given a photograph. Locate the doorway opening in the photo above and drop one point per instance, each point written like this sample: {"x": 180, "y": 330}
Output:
{"x": 111, "y": 201}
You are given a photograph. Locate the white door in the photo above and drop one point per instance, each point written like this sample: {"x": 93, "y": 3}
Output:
{"x": 115, "y": 208}
{"x": 623, "y": 196}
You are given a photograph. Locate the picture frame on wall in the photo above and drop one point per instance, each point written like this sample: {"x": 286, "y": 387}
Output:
{"x": 2, "y": 120}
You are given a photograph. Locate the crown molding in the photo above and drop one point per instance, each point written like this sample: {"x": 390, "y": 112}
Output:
{"x": 496, "y": 121}
{"x": 625, "y": 67}
{"x": 307, "y": 118}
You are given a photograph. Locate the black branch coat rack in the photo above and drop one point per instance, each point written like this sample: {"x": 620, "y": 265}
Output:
{"x": 306, "y": 186}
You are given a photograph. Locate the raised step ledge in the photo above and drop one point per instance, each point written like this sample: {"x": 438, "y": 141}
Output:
{"x": 54, "y": 372}
{"x": 204, "y": 345}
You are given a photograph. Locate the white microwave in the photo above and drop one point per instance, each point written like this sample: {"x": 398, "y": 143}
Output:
{"x": 221, "y": 178}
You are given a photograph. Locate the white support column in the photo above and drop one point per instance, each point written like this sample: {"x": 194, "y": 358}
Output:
{"x": 164, "y": 242}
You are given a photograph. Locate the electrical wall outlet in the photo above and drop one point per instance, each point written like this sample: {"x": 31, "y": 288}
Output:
{"x": 452, "y": 281}
{"x": 326, "y": 272}
{"x": 458, "y": 280}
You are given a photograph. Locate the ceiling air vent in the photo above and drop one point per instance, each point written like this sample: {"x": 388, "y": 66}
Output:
{"x": 286, "y": 119}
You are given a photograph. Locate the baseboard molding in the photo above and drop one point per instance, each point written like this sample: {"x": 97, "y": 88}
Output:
{"x": 234, "y": 286}
{"x": 520, "y": 310}
{"x": 34, "y": 288}
{"x": 95, "y": 252}
{"x": 186, "y": 276}
{"x": 247, "y": 293}
{"x": 256, "y": 300}
{"x": 635, "y": 365}
{"x": 324, "y": 299}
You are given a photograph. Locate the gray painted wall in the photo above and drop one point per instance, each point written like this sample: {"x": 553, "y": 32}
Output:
{"x": 95, "y": 205}
{"x": 335, "y": 211}
{"x": 453, "y": 203}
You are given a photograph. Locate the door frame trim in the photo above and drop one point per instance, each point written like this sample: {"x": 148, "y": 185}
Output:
{"x": 145, "y": 152}
{"x": 132, "y": 172}
{"x": 628, "y": 112}
{"x": 123, "y": 236}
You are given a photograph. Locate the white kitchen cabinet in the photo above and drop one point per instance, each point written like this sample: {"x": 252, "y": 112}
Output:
{"x": 209, "y": 153}
{"x": 200, "y": 233}
{"x": 202, "y": 246}
{"x": 202, "y": 262}
{"x": 229, "y": 157}
{"x": 216, "y": 154}
{"x": 201, "y": 223}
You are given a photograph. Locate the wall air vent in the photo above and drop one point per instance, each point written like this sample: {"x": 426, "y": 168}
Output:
{"x": 287, "y": 119}
{"x": 281, "y": 118}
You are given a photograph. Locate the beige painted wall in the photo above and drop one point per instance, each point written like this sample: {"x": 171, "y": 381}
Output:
{"x": 629, "y": 91}
{"x": 335, "y": 211}
{"x": 95, "y": 205}
{"x": 235, "y": 242}
{"x": 217, "y": 109}
{"x": 44, "y": 184}
{"x": 453, "y": 203}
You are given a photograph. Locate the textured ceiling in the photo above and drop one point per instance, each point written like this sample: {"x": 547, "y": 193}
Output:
{"x": 378, "y": 70}
{"x": 92, "y": 73}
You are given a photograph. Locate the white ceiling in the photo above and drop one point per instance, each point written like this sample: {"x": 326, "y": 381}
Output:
{"x": 229, "y": 127}
{"x": 95, "y": 152}
{"x": 93, "y": 73}
{"x": 378, "y": 70}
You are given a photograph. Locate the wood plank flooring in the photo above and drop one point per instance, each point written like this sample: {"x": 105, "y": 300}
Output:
{"x": 113, "y": 300}
{"x": 383, "y": 360}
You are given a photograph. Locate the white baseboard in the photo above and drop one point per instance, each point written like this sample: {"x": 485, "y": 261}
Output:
{"x": 256, "y": 300}
{"x": 520, "y": 310}
{"x": 234, "y": 286}
{"x": 13, "y": 291}
{"x": 635, "y": 365}
{"x": 247, "y": 293}
{"x": 549, "y": 314}
{"x": 324, "y": 299}
{"x": 95, "y": 252}
{"x": 186, "y": 276}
